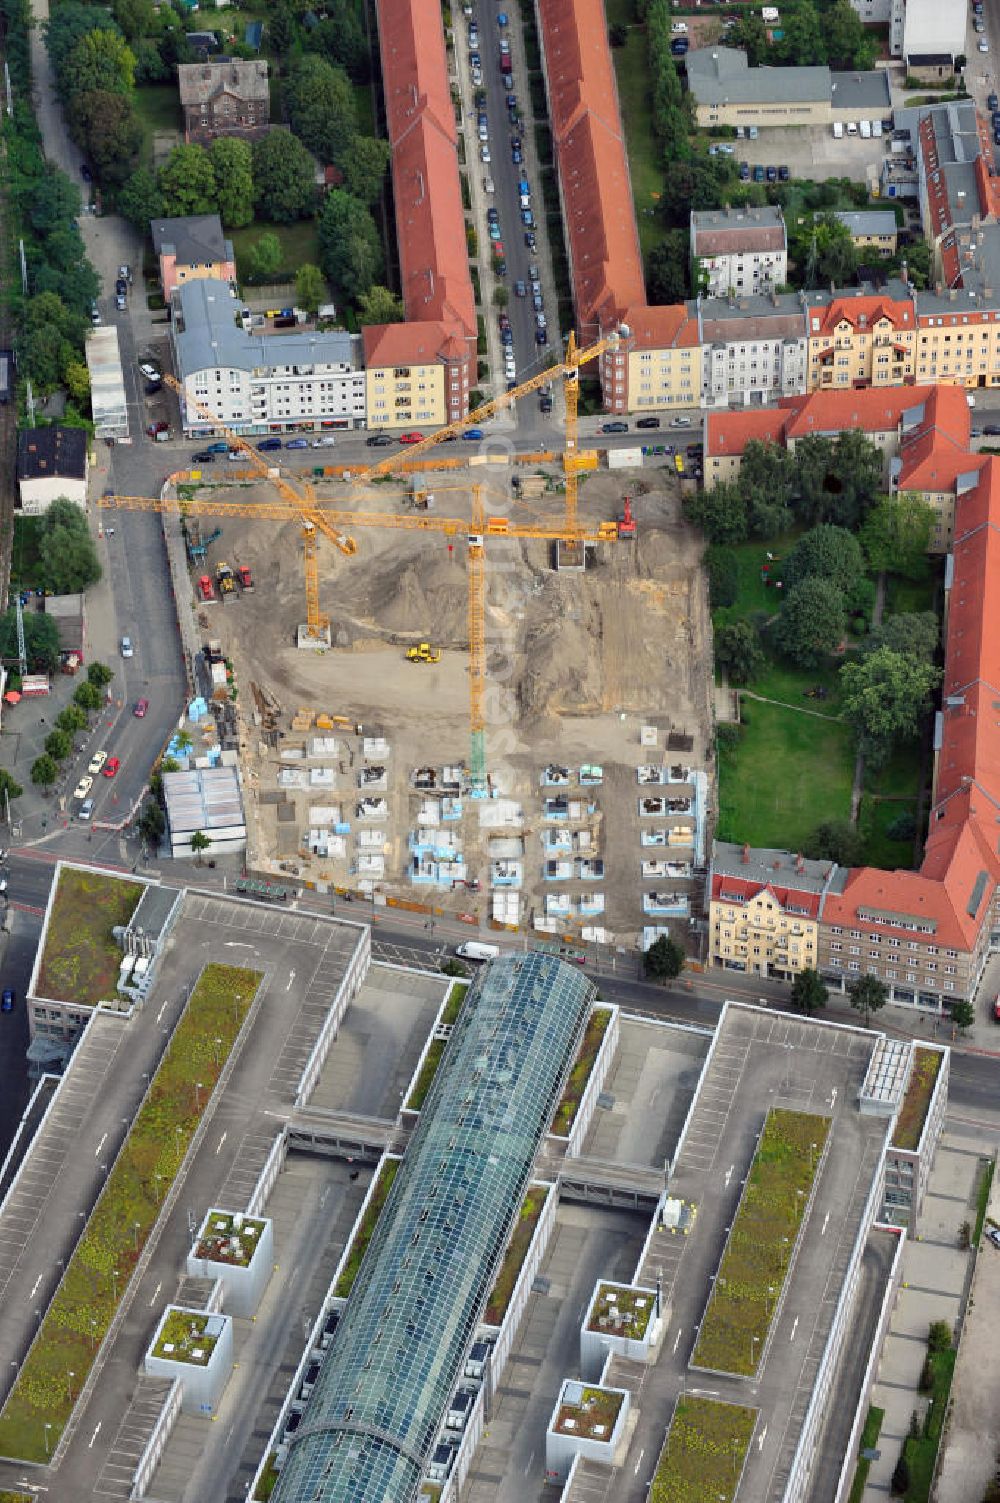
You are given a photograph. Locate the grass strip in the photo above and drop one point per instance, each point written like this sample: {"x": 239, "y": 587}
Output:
{"x": 593, "y": 1038}
{"x": 704, "y": 1452}
{"x": 517, "y": 1251}
{"x": 983, "y": 1199}
{"x": 40, "y": 1403}
{"x": 921, "y": 1450}
{"x": 913, "y": 1112}
{"x": 432, "y": 1058}
{"x": 383, "y": 1184}
{"x": 869, "y": 1435}
{"x": 82, "y": 958}
{"x": 761, "y": 1243}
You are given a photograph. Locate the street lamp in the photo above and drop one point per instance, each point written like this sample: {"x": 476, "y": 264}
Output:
{"x": 71, "y": 1375}
{"x": 135, "y": 1227}
{"x": 48, "y": 1427}
{"x": 218, "y": 1052}
{"x": 753, "y": 1356}
{"x": 114, "y": 1285}
{"x": 197, "y": 1095}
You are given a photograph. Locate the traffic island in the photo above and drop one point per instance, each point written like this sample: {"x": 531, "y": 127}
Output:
{"x": 704, "y": 1453}
{"x": 196, "y": 1348}
{"x": 239, "y": 1251}
{"x": 762, "y": 1241}
{"x": 40, "y": 1403}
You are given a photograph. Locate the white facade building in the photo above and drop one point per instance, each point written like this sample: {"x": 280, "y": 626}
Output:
{"x": 740, "y": 251}
{"x": 108, "y": 403}
{"x": 754, "y": 350}
{"x": 51, "y": 463}
{"x": 934, "y": 31}
{"x": 261, "y": 383}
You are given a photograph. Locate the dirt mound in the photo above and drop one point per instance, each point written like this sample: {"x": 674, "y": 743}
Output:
{"x": 417, "y": 597}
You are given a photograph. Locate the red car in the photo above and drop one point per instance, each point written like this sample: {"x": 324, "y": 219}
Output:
{"x": 111, "y": 766}
{"x": 141, "y": 706}
{"x": 411, "y": 438}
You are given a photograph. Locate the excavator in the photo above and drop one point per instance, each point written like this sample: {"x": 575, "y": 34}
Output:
{"x": 425, "y": 653}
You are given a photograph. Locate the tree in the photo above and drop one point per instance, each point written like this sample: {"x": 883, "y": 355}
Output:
{"x": 321, "y": 110}
{"x": 847, "y": 45}
{"x": 913, "y": 634}
{"x": 885, "y": 698}
{"x": 825, "y": 252}
{"x": 834, "y": 840}
{"x": 9, "y": 787}
{"x": 899, "y": 1486}
{"x": 897, "y": 534}
{"x": 110, "y": 131}
{"x": 87, "y": 697}
{"x": 264, "y": 258}
{"x": 67, "y": 25}
{"x": 868, "y": 994}
{"x": 283, "y": 177}
{"x": 664, "y": 960}
{"x": 58, "y": 745}
{"x": 721, "y": 513}
{"x": 44, "y": 771}
{"x": 768, "y": 513}
{"x": 349, "y": 243}
{"x": 102, "y": 60}
{"x": 939, "y": 1337}
{"x": 963, "y": 1015}
{"x": 187, "y": 182}
{"x": 767, "y": 467}
{"x": 364, "y": 167}
{"x": 47, "y": 203}
{"x": 802, "y": 44}
{"x": 379, "y": 306}
{"x": 152, "y": 824}
{"x": 667, "y": 269}
{"x": 617, "y": 34}
{"x": 232, "y": 165}
{"x": 100, "y": 675}
{"x": 67, "y": 556}
{"x": 71, "y": 720}
{"x": 808, "y": 992}
{"x": 738, "y": 651}
{"x": 76, "y": 379}
{"x": 199, "y": 842}
{"x": 310, "y": 288}
{"x": 721, "y": 566}
{"x": 812, "y": 621}
{"x": 825, "y": 552}
{"x": 140, "y": 199}
{"x": 41, "y": 640}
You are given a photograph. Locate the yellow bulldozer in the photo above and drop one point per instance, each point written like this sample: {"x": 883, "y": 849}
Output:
{"x": 425, "y": 653}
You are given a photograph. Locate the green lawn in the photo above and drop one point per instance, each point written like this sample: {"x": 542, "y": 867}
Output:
{"x": 869, "y": 1437}
{"x": 364, "y": 109}
{"x": 752, "y": 595}
{"x": 82, "y": 959}
{"x": 644, "y": 151}
{"x": 299, "y": 244}
{"x": 889, "y": 792}
{"x": 517, "y": 1250}
{"x": 788, "y": 773}
{"x": 590, "y": 1045}
{"x": 704, "y": 1452}
{"x": 921, "y": 1452}
{"x": 903, "y": 595}
{"x": 158, "y": 107}
{"x": 24, "y": 561}
{"x": 41, "y": 1400}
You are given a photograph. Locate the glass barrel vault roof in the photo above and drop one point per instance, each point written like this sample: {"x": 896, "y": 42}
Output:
{"x": 381, "y": 1393}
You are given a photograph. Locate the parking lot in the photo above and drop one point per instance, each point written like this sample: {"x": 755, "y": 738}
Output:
{"x": 812, "y": 151}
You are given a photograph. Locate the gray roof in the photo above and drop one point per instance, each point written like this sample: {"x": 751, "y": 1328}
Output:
{"x": 381, "y": 1395}
{"x": 194, "y": 239}
{"x": 200, "y": 82}
{"x": 761, "y": 864}
{"x": 861, "y": 91}
{"x": 781, "y": 316}
{"x": 868, "y": 221}
{"x": 720, "y": 75}
{"x": 52, "y": 453}
{"x": 156, "y": 906}
{"x": 715, "y": 232}
{"x": 206, "y": 335}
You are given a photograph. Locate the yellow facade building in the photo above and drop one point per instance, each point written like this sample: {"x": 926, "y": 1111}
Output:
{"x": 860, "y": 340}
{"x": 764, "y": 910}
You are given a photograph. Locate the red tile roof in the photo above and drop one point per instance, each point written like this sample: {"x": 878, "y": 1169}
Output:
{"x": 861, "y": 311}
{"x": 670, "y": 326}
{"x": 728, "y": 433}
{"x": 740, "y": 890}
{"x": 599, "y": 217}
{"x": 430, "y": 221}
{"x": 419, "y": 343}
{"x": 872, "y": 410}
{"x": 937, "y": 452}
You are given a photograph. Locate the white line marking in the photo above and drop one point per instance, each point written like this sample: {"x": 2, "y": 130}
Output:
{"x": 729, "y": 1174}
{"x": 291, "y": 978}
{"x": 527, "y": 1468}
{"x": 826, "y": 1219}
{"x": 163, "y": 1008}
{"x": 94, "y": 1436}
{"x": 100, "y": 1145}
{"x": 639, "y": 1461}
{"x": 156, "y": 1292}
{"x": 221, "y": 1141}
{"x": 35, "y": 1286}
{"x": 677, "y": 1340}
{"x": 795, "y": 1326}
{"x": 760, "y": 1441}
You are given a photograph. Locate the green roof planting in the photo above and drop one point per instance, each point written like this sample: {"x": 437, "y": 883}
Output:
{"x": 381, "y": 1393}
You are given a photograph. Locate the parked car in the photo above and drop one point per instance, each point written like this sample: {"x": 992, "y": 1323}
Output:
{"x": 680, "y": 422}
{"x": 149, "y": 370}
{"x": 993, "y": 101}
{"x": 141, "y": 706}
{"x": 325, "y": 441}
{"x": 758, "y": 173}
{"x": 520, "y": 289}
{"x": 517, "y": 158}
{"x": 269, "y": 445}
{"x": 83, "y": 787}
{"x": 296, "y": 443}
{"x": 530, "y": 240}
{"x": 473, "y": 434}
{"x": 128, "y": 650}
{"x": 378, "y": 440}
{"x": 772, "y": 174}
{"x": 203, "y": 456}
{"x": 541, "y": 336}
{"x": 9, "y": 995}
{"x": 484, "y": 154}
{"x": 218, "y": 448}
{"x": 783, "y": 174}
{"x": 614, "y": 427}
{"x": 744, "y": 172}
{"x": 648, "y": 422}
{"x": 111, "y": 766}
{"x": 411, "y": 438}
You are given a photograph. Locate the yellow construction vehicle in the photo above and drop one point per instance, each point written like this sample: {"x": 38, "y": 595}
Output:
{"x": 425, "y": 653}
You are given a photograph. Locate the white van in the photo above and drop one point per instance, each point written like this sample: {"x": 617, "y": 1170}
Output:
{"x": 852, "y": 128}
{"x": 866, "y": 130}
{"x": 838, "y": 129}
{"x": 474, "y": 949}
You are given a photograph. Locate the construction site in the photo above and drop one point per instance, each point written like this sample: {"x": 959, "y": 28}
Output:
{"x": 480, "y": 690}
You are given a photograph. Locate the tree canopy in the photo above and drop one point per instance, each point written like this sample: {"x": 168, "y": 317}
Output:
{"x": 187, "y": 182}
{"x": 379, "y": 306}
{"x": 914, "y": 634}
{"x": 897, "y": 533}
{"x": 283, "y": 177}
{"x": 350, "y": 244}
{"x": 808, "y": 992}
{"x": 885, "y": 698}
{"x": 825, "y": 552}
{"x": 664, "y": 959}
{"x": 66, "y": 554}
{"x": 232, "y": 168}
{"x": 721, "y": 512}
{"x": 364, "y": 166}
{"x": 812, "y": 622}
{"x": 321, "y": 109}
{"x": 41, "y": 640}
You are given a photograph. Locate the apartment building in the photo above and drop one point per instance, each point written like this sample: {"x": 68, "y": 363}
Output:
{"x": 934, "y": 461}
{"x": 438, "y": 298}
{"x": 727, "y": 91}
{"x": 260, "y": 383}
{"x": 873, "y": 231}
{"x": 226, "y": 97}
{"x": 659, "y": 364}
{"x": 764, "y": 908}
{"x": 890, "y": 13}
{"x": 933, "y": 37}
{"x": 192, "y": 247}
{"x": 861, "y": 339}
{"x": 739, "y": 251}
{"x": 754, "y": 349}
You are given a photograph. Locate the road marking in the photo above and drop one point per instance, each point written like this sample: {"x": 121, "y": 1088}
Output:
{"x": 833, "y": 1096}
{"x": 237, "y": 944}
{"x": 100, "y": 1145}
{"x": 826, "y": 1219}
{"x": 221, "y": 1141}
{"x": 527, "y": 1468}
{"x": 163, "y": 1008}
{"x": 729, "y": 1174}
{"x": 94, "y": 1436}
{"x": 639, "y": 1461}
{"x": 35, "y": 1287}
{"x": 677, "y": 1340}
{"x": 291, "y": 978}
{"x": 156, "y": 1293}
{"x": 795, "y": 1326}
{"x": 760, "y": 1442}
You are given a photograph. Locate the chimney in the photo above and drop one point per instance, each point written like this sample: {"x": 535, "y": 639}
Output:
{"x": 800, "y": 864}
{"x": 746, "y": 855}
